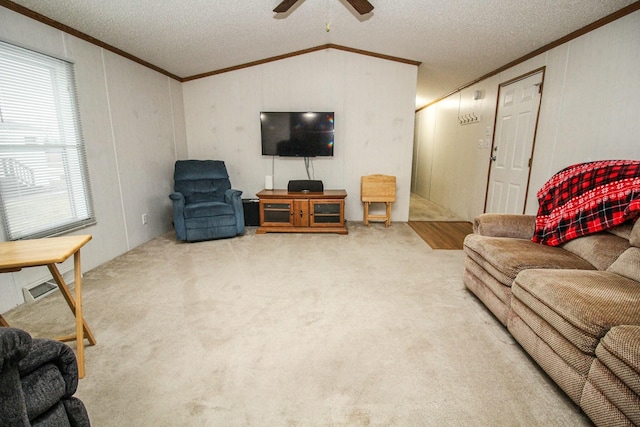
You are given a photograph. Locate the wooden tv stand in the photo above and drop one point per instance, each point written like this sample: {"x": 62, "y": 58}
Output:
{"x": 282, "y": 211}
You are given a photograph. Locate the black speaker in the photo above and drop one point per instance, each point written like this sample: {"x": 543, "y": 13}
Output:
{"x": 251, "y": 209}
{"x": 299, "y": 185}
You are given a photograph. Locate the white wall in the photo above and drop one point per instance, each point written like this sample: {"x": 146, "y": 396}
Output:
{"x": 589, "y": 111}
{"x": 133, "y": 125}
{"x": 373, "y": 100}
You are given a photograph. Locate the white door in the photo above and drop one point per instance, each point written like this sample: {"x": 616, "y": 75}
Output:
{"x": 512, "y": 150}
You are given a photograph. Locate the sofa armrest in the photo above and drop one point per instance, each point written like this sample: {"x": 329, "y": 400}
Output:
{"x": 505, "y": 225}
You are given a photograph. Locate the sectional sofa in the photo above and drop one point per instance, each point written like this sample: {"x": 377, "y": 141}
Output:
{"x": 575, "y": 307}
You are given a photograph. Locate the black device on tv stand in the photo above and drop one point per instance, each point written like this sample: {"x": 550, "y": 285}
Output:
{"x": 305, "y": 186}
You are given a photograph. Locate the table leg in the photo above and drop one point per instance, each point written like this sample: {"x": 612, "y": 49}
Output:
{"x": 78, "y": 313}
{"x": 3, "y": 322}
{"x": 387, "y": 221}
{"x": 76, "y": 308}
{"x": 71, "y": 303}
{"x": 366, "y": 213}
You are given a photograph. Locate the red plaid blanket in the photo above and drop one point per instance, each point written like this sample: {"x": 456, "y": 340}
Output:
{"x": 587, "y": 198}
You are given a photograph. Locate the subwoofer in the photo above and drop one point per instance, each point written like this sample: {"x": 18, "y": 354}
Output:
{"x": 310, "y": 185}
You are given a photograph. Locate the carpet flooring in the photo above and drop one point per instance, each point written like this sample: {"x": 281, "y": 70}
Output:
{"x": 373, "y": 328}
{"x": 442, "y": 234}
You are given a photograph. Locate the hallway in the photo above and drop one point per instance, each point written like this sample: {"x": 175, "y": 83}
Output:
{"x": 421, "y": 209}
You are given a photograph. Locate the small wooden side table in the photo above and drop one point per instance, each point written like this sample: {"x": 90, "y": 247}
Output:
{"x": 16, "y": 255}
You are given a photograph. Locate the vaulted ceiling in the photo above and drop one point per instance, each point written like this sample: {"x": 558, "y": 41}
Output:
{"x": 455, "y": 41}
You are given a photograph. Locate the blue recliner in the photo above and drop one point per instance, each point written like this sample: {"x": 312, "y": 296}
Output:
{"x": 204, "y": 205}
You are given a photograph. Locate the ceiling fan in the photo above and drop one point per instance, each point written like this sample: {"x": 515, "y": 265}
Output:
{"x": 361, "y": 6}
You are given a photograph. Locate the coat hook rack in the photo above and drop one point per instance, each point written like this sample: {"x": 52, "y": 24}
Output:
{"x": 468, "y": 118}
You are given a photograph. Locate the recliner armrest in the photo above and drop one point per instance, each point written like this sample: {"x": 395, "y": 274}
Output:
{"x": 176, "y": 196}
{"x": 177, "y": 200}
{"x": 233, "y": 197}
{"x": 14, "y": 345}
{"x": 505, "y": 225}
{"x": 231, "y": 194}
{"x": 45, "y": 351}
{"x": 38, "y": 378}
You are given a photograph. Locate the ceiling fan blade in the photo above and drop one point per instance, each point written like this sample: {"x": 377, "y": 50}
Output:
{"x": 362, "y": 6}
{"x": 284, "y": 6}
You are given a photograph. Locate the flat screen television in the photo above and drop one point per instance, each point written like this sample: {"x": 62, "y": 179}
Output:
{"x": 297, "y": 134}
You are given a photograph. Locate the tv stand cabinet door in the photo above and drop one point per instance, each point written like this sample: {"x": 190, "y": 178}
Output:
{"x": 276, "y": 212}
{"x": 301, "y": 213}
{"x": 327, "y": 213}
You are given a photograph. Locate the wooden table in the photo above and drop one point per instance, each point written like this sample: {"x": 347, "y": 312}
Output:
{"x": 14, "y": 256}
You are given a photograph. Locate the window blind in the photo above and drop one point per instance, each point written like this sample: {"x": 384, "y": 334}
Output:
{"x": 44, "y": 185}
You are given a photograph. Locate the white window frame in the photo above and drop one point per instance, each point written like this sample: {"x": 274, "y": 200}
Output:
{"x": 44, "y": 178}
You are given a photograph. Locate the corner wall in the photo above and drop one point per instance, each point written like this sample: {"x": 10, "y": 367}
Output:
{"x": 588, "y": 112}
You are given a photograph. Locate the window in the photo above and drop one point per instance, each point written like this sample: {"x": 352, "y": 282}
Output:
{"x": 44, "y": 185}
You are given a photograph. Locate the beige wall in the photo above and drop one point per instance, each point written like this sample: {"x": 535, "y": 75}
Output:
{"x": 588, "y": 112}
{"x": 373, "y": 100}
{"x": 133, "y": 125}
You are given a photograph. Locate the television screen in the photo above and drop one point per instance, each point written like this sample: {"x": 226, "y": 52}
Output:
{"x": 297, "y": 134}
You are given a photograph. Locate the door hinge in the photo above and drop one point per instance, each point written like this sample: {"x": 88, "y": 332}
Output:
{"x": 530, "y": 162}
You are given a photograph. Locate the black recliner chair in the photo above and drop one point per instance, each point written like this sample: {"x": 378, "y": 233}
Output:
{"x": 38, "y": 378}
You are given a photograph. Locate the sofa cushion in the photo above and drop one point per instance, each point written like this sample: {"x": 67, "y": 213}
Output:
{"x": 505, "y": 257}
{"x": 581, "y": 305}
{"x": 203, "y": 196}
{"x": 544, "y": 335}
{"x": 612, "y": 393}
{"x": 607, "y": 400}
{"x": 600, "y": 249}
{"x": 222, "y": 221}
{"x": 619, "y": 351}
{"x": 559, "y": 358}
{"x": 208, "y": 209}
{"x": 628, "y": 264}
{"x": 634, "y": 238}
{"x": 623, "y": 231}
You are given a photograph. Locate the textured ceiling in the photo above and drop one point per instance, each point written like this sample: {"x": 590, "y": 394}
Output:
{"x": 456, "y": 41}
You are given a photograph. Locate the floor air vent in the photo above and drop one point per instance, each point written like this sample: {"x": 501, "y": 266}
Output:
{"x": 36, "y": 292}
